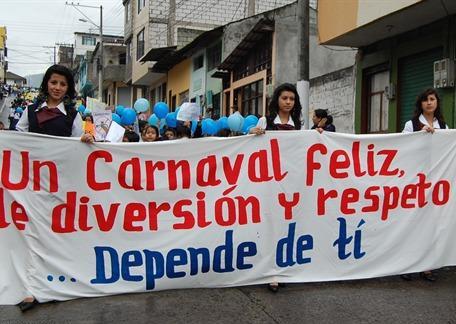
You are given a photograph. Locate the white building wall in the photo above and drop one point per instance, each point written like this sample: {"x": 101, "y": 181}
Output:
{"x": 80, "y": 49}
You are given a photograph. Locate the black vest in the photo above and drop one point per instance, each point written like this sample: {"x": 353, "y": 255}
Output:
{"x": 60, "y": 126}
{"x": 417, "y": 125}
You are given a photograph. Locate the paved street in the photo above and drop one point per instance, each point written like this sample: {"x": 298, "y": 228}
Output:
{"x": 384, "y": 300}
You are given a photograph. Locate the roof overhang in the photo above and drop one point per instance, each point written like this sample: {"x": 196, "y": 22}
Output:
{"x": 396, "y": 23}
{"x": 156, "y": 54}
{"x": 256, "y": 34}
{"x": 221, "y": 74}
{"x": 167, "y": 57}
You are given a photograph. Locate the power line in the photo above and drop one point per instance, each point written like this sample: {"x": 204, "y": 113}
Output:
{"x": 239, "y": 5}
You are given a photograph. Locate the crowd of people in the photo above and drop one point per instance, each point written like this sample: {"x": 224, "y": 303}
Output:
{"x": 53, "y": 112}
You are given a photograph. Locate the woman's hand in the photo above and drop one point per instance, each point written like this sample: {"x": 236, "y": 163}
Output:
{"x": 322, "y": 122}
{"x": 428, "y": 129}
{"x": 87, "y": 138}
{"x": 256, "y": 130}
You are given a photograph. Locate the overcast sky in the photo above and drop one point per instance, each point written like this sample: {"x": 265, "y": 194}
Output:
{"x": 35, "y": 26}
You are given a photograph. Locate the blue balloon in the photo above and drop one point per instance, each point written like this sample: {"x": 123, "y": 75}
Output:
{"x": 141, "y": 105}
{"x": 128, "y": 116}
{"x": 119, "y": 110}
{"x": 250, "y": 120}
{"x": 171, "y": 120}
{"x": 235, "y": 122}
{"x": 194, "y": 125}
{"x": 153, "y": 120}
{"x": 161, "y": 109}
{"x": 223, "y": 123}
{"x": 81, "y": 108}
{"x": 209, "y": 127}
{"x": 162, "y": 123}
{"x": 19, "y": 110}
{"x": 116, "y": 118}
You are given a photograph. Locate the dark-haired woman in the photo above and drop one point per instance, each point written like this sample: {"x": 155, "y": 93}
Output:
{"x": 428, "y": 117}
{"x": 322, "y": 121}
{"x": 284, "y": 114}
{"x": 284, "y": 111}
{"x": 54, "y": 112}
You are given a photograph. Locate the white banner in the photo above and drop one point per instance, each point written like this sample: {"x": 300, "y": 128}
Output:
{"x": 80, "y": 220}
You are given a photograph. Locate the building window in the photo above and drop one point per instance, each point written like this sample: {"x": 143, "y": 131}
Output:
{"x": 89, "y": 40}
{"x": 183, "y": 97}
{"x": 377, "y": 103}
{"x": 214, "y": 56}
{"x": 256, "y": 61}
{"x": 198, "y": 62}
{"x": 141, "y": 5}
{"x": 163, "y": 92}
{"x": 122, "y": 58}
{"x": 140, "y": 45}
{"x": 249, "y": 98}
{"x": 216, "y": 106}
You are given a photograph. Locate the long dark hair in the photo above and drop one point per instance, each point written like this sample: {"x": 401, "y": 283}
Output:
{"x": 61, "y": 70}
{"x": 423, "y": 97}
{"x": 274, "y": 104}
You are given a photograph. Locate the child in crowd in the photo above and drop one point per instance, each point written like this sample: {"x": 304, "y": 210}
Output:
{"x": 130, "y": 136}
{"x": 150, "y": 133}
{"x": 170, "y": 134}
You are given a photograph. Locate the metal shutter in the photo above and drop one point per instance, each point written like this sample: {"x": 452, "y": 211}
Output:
{"x": 415, "y": 74}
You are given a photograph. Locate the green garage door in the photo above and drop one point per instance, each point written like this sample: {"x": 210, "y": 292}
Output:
{"x": 416, "y": 73}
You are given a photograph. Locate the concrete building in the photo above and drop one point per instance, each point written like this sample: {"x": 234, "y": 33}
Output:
{"x": 115, "y": 91}
{"x": 86, "y": 73}
{"x": 153, "y": 24}
{"x": 240, "y": 64}
{"x": 403, "y": 47}
{"x": 65, "y": 55}
{"x": 14, "y": 79}
{"x": 260, "y": 53}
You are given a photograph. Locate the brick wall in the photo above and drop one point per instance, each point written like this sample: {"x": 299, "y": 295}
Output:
{"x": 202, "y": 14}
{"x": 335, "y": 92}
{"x": 157, "y": 35}
{"x": 185, "y": 36}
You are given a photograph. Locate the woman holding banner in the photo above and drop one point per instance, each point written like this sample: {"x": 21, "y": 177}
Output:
{"x": 284, "y": 111}
{"x": 428, "y": 117}
{"x": 54, "y": 112}
{"x": 284, "y": 114}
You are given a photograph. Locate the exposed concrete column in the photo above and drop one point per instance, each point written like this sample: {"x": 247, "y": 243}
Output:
{"x": 303, "y": 59}
{"x": 171, "y": 22}
{"x": 251, "y": 8}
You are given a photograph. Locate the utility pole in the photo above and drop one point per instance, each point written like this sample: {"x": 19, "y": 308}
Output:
{"x": 303, "y": 59}
{"x": 100, "y": 74}
{"x": 100, "y": 27}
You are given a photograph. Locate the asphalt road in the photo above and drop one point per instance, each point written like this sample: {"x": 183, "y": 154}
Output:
{"x": 382, "y": 300}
